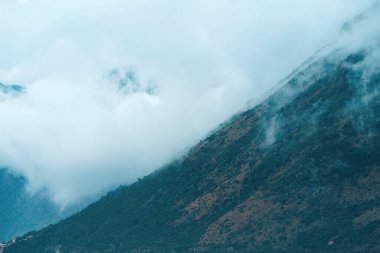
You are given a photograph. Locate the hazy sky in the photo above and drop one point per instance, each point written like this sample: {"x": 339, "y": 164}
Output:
{"x": 75, "y": 134}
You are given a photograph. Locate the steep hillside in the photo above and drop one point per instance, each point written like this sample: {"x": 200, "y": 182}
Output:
{"x": 298, "y": 173}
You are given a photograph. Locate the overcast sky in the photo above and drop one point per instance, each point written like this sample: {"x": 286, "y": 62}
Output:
{"x": 74, "y": 133}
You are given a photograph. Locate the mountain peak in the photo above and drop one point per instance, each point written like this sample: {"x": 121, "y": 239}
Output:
{"x": 7, "y": 91}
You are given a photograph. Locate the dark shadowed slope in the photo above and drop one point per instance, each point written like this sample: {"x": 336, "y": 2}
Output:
{"x": 298, "y": 173}
{"x": 21, "y": 212}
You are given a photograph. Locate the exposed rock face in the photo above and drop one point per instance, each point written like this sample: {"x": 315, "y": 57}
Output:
{"x": 298, "y": 173}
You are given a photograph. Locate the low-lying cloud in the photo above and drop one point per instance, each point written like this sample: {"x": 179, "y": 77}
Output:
{"x": 115, "y": 89}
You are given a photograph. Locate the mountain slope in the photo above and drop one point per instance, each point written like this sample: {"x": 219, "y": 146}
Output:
{"x": 298, "y": 173}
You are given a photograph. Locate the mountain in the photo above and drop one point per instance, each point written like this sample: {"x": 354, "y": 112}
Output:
{"x": 300, "y": 172}
{"x": 7, "y": 91}
{"x": 22, "y": 212}
{"x": 128, "y": 82}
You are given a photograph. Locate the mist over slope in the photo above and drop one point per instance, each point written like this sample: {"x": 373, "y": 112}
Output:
{"x": 75, "y": 132}
{"x": 300, "y": 172}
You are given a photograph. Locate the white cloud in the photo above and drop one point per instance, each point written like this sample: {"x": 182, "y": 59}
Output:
{"x": 74, "y": 134}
